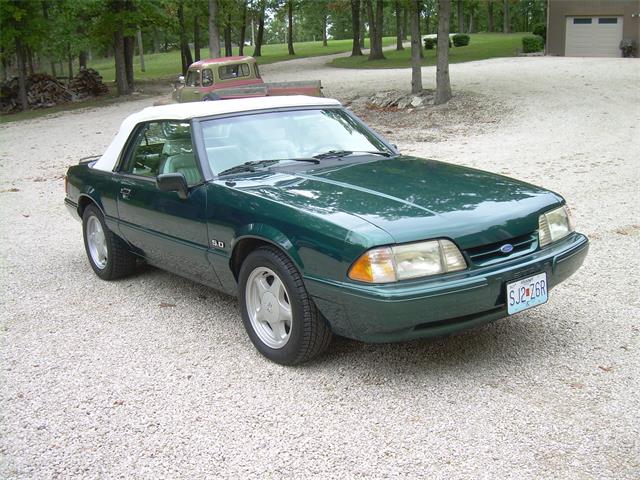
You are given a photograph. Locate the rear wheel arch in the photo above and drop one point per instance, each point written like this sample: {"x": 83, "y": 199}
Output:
{"x": 84, "y": 201}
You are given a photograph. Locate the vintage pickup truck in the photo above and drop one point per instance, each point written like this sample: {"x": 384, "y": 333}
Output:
{"x": 234, "y": 77}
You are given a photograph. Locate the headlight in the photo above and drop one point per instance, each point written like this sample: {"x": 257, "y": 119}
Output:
{"x": 402, "y": 262}
{"x": 554, "y": 225}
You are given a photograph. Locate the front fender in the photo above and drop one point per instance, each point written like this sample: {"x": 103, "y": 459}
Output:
{"x": 261, "y": 231}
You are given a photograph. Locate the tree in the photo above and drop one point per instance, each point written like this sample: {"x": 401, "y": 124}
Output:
{"x": 416, "y": 47}
{"x": 490, "y": 16}
{"x": 443, "y": 82}
{"x": 399, "y": 33}
{"x": 185, "y": 51}
{"x": 257, "y": 49}
{"x": 506, "y": 23}
{"x": 214, "y": 32}
{"x": 243, "y": 28}
{"x": 290, "y": 27}
{"x": 355, "y": 23}
{"x": 460, "y": 18}
{"x": 375, "y": 30}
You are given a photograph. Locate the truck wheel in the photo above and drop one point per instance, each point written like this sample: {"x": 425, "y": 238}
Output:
{"x": 108, "y": 254}
{"x": 278, "y": 314}
{"x": 210, "y": 97}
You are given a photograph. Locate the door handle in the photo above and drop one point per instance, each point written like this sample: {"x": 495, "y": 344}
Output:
{"x": 125, "y": 192}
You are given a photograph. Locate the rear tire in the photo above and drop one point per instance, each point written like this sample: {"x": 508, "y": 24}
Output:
{"x": 280, "y": 318}
{"x": 109, "y": 256}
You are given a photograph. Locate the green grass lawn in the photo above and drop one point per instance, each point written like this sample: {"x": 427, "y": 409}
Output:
{"x": 167, "y": 65}
{"x": 481, "y": 47}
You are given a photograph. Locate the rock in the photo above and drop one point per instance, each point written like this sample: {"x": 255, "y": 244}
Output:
{"x": 417, "y": 101}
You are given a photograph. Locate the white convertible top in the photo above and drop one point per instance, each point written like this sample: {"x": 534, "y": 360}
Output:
{"x": 186, "y": 111}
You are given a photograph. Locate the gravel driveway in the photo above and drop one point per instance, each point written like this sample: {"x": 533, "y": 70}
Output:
{"x": 154, "y": 377}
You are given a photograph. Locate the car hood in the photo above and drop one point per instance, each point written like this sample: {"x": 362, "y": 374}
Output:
{"x": 413, "y": 198}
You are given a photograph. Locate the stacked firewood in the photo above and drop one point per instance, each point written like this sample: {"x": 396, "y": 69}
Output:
{"x": 88, "y": 83}
{"x": 43, "y": 90}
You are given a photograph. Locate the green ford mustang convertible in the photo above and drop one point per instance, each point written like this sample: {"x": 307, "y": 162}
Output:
{"x": 318, "y": 224}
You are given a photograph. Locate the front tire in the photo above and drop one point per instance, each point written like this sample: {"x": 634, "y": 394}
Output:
{"x": 109, "y": 256}
{"x": 280, "y": 318}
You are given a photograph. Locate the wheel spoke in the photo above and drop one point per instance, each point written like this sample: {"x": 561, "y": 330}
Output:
{"x": 285, "y": 311}
{"x": 278, "y": 330}
{"x": 262, "y": 286}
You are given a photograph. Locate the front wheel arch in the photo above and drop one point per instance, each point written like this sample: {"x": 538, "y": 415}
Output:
{"x": 245, "y": 245}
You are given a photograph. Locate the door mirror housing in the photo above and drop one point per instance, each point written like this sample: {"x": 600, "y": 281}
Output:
{"x": 173, "y": 182}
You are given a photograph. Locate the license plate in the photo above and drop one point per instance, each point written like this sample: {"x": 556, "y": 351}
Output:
{"x": 526, "y": 293}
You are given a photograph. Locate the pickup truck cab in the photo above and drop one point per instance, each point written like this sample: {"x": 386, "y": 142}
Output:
{"x": 234, "y": 77}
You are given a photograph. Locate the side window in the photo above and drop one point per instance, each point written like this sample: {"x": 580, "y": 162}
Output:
{"x": 207, "y": 77}
{"x": 164, "y": 147}
{"x": 193, "y": 78}
{"x": 228, "y": 72}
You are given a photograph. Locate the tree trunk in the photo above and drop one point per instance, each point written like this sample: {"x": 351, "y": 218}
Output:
{"x": 460, "y": 18}
{"x": 22, "y": 75}
{"x": 506, "y": 23}
{"x": 214, "y": 33}
{"x": 82, "y": 60}
{"x": 69, "y": 61}
{"x": 196, "y": 38}
{"x": 257, "y": 49}
{"x": 471, "y": 26}
{"x": 243, "y": 28}
{"x": 185, "y": 51}
{"x": 156, "y": 41}
{"x": 375, "y": 30}
{"x": 53, "y": 68}
{"x": 416, "y": 47}
{"x": 355, "y": 28}
{"x": 325, "y": 20}
{"x": 362, "y": 16}
{"x": 228, "y": 48}
{"x": 140, "y": 49}
{"x": 129, "y": 48}
{"x": 443, "y": 83}
{"x": 405, "y": 22}
{"x": 118, "y": 51}
{"x": 290, "y": 27}
{"x": 490, "y": 16}
{"x": 399, "y": 34}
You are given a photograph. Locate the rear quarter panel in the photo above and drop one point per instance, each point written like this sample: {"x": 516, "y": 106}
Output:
{"x": 97, "y": 186}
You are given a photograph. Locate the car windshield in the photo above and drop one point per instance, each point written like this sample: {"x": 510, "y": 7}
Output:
{"x": 268, "y": 137}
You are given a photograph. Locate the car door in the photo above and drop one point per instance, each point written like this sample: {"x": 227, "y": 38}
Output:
{"x": 168, "y": 231}
{"x": 191, "y": 90}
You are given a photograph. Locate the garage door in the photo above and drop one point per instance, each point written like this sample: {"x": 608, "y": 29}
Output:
{"x": 593, "y": 37}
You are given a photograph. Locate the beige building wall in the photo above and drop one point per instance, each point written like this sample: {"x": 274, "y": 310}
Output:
{"x": 559, "y": 10}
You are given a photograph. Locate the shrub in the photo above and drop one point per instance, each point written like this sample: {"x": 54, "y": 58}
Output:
{"x": 430, "y": 43}
{"x": 461, "y": 40}
{"x": 628, "y": 48}
{"x": 532, "y": 43}
{"x": 541, "y": 30}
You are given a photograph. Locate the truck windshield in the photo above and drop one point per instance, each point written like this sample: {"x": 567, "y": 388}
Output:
{"x": 265, "y": 137}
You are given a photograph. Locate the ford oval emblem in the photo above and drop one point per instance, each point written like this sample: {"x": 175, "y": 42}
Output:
{"x": 506, "y": 248}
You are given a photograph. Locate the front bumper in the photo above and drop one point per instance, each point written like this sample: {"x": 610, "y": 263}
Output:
{"x": 438, "y": 306}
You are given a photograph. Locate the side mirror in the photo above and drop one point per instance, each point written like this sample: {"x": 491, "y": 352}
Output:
{"x": 181, "y": 79}
{"x": 173, "y": 182}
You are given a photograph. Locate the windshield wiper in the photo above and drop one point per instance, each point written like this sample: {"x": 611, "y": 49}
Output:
{"x": 345, "y": 153}
{"x": 250, "y": 166}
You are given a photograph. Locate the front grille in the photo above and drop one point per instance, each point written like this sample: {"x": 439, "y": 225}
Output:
{"x": 491, "y": 253}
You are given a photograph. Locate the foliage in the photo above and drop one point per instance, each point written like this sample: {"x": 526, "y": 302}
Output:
{"x": 532, "y": 44}
{"x": 628, "y": 48}
{"x": 429, "y": 43}
{"x": 461, "y": 40}
{"x": 541, "y": 30}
